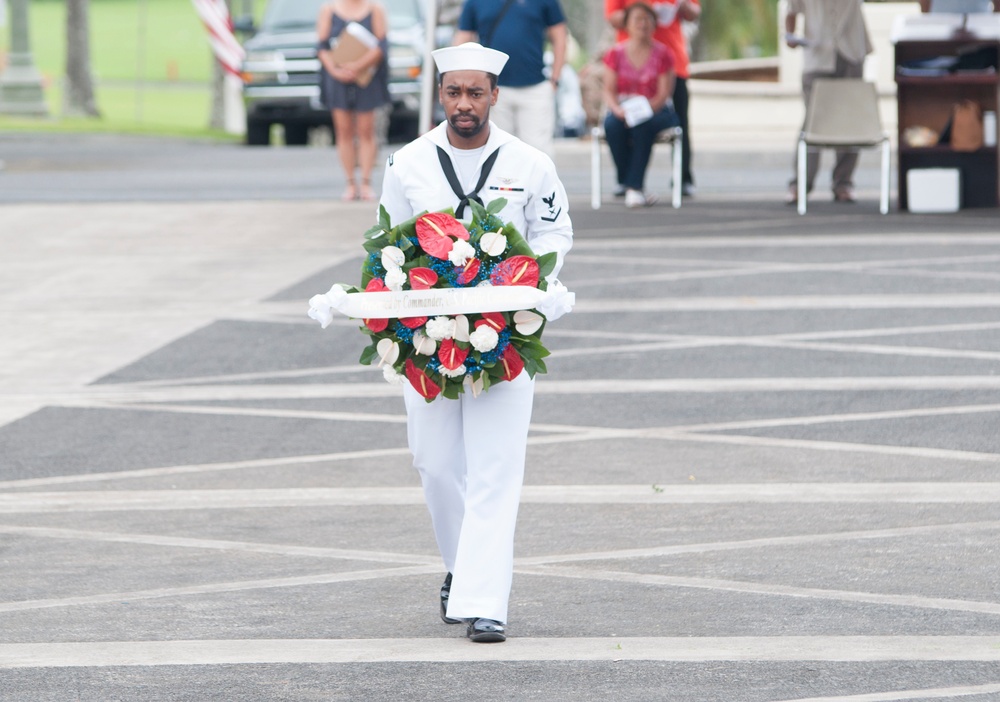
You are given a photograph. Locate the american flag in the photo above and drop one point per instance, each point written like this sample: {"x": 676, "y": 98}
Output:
{"x": 214, "y": 15}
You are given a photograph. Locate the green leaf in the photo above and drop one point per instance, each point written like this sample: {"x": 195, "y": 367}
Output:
{"x": 547, "y": 263}
{"x": 368, "y": 355}
{"x": 534, "y": 366}
{"x": 450, "y": 389}
{"x": 479, "y": 212}
{"x": 516, "y": 245}
{"x": 375, "y": 232}
{"x": 496, "y": 205}
{"x": 383, "y": 218}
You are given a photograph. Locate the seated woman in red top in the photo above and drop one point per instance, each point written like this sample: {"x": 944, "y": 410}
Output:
{"x": 637, "y": 89}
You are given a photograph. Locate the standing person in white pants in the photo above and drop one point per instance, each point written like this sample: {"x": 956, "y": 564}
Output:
{"x": 520, "y": 30}
{"x": 470, "y": 452}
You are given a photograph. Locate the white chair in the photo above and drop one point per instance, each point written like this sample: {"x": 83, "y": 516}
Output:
{"x": 843, "y": 113}
{"x": 671, "y": 135}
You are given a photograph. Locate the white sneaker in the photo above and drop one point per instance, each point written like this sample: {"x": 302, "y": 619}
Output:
{"x": 634, "y": 198}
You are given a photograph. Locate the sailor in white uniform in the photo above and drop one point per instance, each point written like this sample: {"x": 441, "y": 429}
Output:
{"x": 470, "y": 452}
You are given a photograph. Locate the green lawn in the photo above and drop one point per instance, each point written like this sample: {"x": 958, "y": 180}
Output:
{"x": 159, "y": 40}
{"x": 159, "y": 45}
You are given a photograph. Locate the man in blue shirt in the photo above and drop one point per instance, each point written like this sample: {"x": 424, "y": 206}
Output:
{"x": 519, "y": 28}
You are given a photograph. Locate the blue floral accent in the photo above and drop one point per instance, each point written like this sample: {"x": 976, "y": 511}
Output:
{"x": 402, "y": 332}
{"x": 374, "y": 265}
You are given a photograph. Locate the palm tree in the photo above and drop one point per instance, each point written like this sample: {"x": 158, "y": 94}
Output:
{"x": 79, "y": 96}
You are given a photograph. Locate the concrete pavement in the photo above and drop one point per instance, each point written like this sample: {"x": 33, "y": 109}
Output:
{"x": 764, "y": 465}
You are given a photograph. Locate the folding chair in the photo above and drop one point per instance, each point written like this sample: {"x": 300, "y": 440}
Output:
{"x": 671, "y": 135}
{"x": 843, "y": 113}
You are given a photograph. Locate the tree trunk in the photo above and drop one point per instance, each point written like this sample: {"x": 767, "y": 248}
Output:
{"x": 79, "y": 96}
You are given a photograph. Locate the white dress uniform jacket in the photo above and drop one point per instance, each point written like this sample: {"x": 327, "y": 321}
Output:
{"x": 523, "y": 175}
{"x": 470, "y": 452}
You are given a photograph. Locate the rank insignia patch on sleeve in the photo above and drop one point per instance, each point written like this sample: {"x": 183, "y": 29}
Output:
{"x": 553, "y": 212}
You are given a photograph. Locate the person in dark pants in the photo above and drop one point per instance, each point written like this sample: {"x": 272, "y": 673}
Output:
{"x": 670, "y": 14}
{"x": 638, "y": 82}
{"x": 681, "y": 109}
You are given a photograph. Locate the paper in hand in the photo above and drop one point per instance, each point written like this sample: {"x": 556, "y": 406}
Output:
{"x": 637, "y": 110}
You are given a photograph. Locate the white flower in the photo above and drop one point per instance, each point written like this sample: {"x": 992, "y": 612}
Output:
{"x": 392, "y": 257}
{"x": 392, "y": 377}
{"x": 493, "y": 243}
{"x": 388, "y": 352}
{"x": 461, "y": 328}
{"x": 453, "y": 372}
{"x": 475, "y": 386}
{"x": 484, "y": 284}
{"x": 461, "y": 252}
{"x": 423, "y": 345}
{"x": 527, "y": 322}
{"x": 395, "y": 278}
{"x": 484, "y": 338}
{"x": 440, "y": 328}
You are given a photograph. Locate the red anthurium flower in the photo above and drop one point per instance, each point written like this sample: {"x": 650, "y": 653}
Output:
{"x": 512, "y": 362}
{"x": 494, "y": 319}
{"x": 516, "y": 270}
{"x": 437, "y": 232}
{"x": 422, "y": 278}
{"x": 469, "y": 272}
{"x": 420, "y": 382}
{"x": 376, "y": 325}
{"x": 451, "y": 355}
{"x": 413, "y": 322}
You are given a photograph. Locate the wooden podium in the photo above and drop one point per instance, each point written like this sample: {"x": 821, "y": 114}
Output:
{"x": 927, "y": 93}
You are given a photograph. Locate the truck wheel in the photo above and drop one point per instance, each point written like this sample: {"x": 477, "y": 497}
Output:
{"x": 296, "y": 134}
{"x": 258, "y": 132}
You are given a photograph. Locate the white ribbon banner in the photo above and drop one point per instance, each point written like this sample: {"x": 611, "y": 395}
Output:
{"x": 554, "y": 302}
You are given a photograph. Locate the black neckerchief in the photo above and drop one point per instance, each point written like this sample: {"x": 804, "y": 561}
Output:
{"x": 449, "y": 173}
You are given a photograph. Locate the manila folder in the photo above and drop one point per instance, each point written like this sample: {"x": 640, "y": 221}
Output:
{"x": 350, "y": 45}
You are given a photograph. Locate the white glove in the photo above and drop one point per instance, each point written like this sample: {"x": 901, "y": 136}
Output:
{"x": 557, "y": 301}
{"x": 321, "y": 307}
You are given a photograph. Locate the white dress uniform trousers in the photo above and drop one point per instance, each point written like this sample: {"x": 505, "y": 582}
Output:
{"x": 470, "y": 455}
{"x": 470, "y": 452}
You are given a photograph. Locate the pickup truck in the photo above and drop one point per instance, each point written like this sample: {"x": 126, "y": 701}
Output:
{"x": 281, "y": 70}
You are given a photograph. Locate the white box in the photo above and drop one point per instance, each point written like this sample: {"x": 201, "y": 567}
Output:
{"x": 933, "y": 189}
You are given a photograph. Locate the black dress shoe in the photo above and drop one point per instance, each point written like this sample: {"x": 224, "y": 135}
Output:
{"x": 445, "y": 592}
{"x": 486, "y": 631}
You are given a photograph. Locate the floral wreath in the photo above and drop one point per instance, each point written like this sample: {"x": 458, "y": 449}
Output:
{"x": 447, "y": 353}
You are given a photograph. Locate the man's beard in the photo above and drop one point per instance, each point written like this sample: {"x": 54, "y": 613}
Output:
{"x": 468, "y": 132}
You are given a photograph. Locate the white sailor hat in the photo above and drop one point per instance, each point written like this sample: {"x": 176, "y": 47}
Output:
{"x": 469, "y": 56}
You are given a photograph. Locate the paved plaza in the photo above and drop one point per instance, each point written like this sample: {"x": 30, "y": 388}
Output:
{"x": 764, "y": 466}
